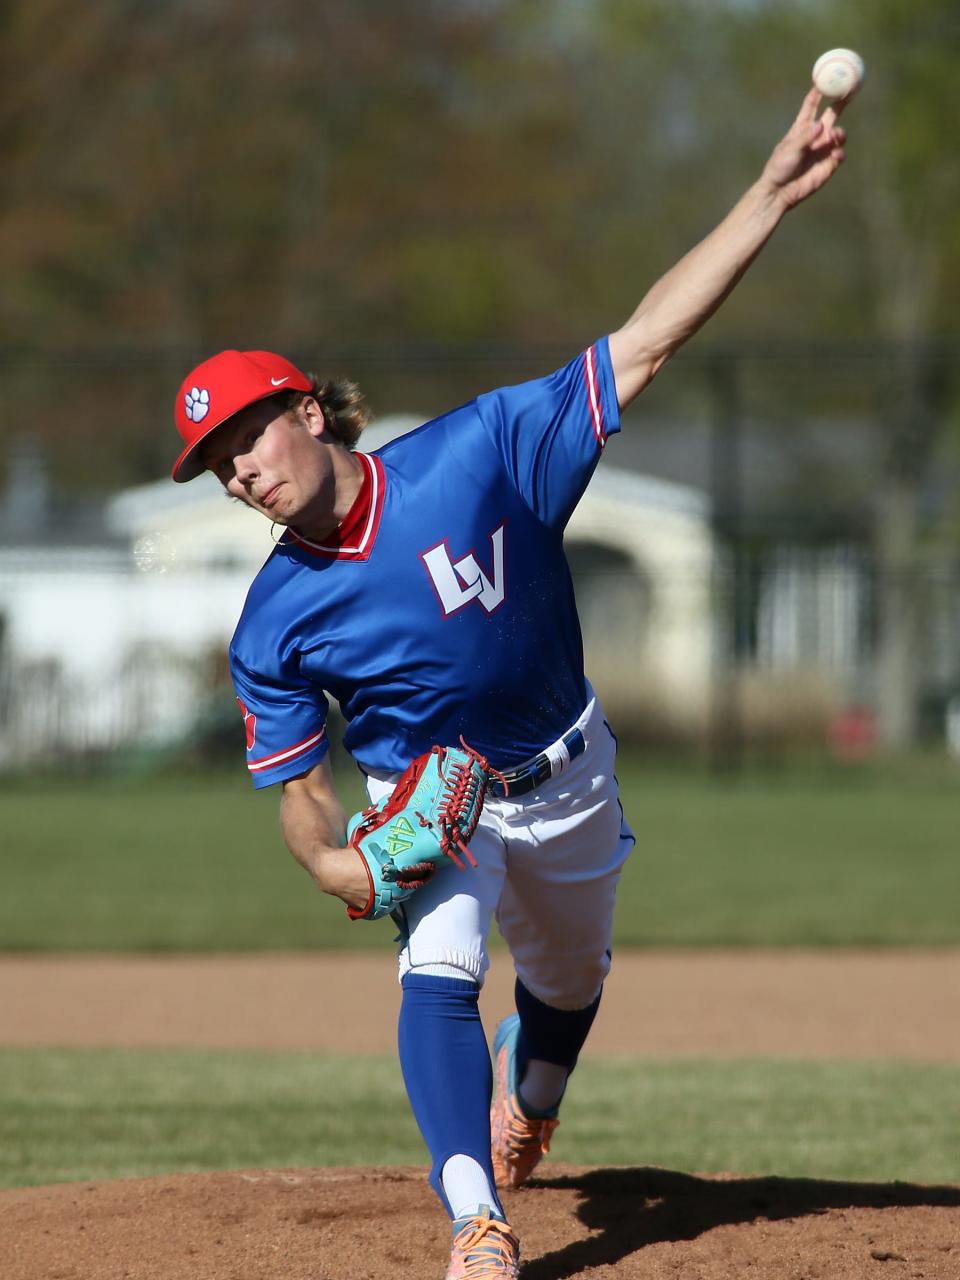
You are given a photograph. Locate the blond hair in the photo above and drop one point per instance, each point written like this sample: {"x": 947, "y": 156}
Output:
{"x": 342, "y": 402}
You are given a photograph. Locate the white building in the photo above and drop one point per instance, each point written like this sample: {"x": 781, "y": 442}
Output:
{"x": 103, "y": 647}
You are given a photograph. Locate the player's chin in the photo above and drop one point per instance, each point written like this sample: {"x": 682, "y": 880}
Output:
{"x": 276, "y": 517}
{"x": 279, "y": 510}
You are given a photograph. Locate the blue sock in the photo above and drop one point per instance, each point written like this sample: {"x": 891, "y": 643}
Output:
{"x": 551, "y": 1035}
{"x": 447, "y": 1072}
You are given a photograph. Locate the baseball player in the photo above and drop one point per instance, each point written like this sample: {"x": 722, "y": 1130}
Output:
{"x": 424, "y": 587}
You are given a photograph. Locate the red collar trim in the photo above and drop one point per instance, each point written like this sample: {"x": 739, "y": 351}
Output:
{"x": 354, "y": 536}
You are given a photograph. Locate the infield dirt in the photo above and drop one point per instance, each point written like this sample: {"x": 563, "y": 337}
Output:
{"x": 358, "y": 1224}
{"x": 375, "y": 1224}
{"x": 798, "y": 1003}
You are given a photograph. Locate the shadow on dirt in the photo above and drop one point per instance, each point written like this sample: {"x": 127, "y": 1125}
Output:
{"x": 632, "y": 1208}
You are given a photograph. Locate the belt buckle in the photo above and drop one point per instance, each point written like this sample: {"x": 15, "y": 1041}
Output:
{"x": 503, "y": 788}
{"x": 542, "y": 770}
{"x": 521, "y": 781}
{"x": 539, "y": 771}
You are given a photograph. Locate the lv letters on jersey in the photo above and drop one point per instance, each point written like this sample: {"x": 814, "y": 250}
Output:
{"x": 458, "y": 582}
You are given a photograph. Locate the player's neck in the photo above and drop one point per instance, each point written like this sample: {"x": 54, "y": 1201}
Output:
{"x": 346, "y": 481}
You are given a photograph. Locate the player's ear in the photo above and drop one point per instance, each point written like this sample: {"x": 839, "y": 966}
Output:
{"x": 312, "y": 417}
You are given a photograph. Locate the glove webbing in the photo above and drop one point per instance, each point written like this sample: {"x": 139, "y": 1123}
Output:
{"x": 463, "y": 797}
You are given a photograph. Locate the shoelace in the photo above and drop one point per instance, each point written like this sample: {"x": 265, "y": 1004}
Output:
{"x": 489, "y": 1249}
{"x": 521, "y": 1131}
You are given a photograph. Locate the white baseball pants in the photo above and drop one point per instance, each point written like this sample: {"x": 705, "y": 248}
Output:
{"x": 548, "y": 865}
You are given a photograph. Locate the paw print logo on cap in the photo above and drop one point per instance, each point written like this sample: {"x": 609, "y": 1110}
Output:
{"x": 198, "y": 404}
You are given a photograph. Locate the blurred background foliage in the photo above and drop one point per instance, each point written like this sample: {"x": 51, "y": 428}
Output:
{"x": 388, "y": 180}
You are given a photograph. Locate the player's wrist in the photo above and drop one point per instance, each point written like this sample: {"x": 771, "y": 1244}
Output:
{"x": 342, "y": 873}
{"x": 768, "y": 198}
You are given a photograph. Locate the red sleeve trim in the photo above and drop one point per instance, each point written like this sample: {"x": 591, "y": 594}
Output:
{"x": 593, "y": 394}
{"x": 289, "y": 753}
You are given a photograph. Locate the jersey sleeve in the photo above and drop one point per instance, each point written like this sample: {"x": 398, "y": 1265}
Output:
{"x": 552, "y": 431}
{"x": 285, "y": 720}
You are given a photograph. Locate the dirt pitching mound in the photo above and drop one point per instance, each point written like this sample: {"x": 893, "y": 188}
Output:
{"x": 348, "y": 1224}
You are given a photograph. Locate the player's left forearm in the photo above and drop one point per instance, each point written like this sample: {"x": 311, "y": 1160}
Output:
{"x": 685, "y": 298}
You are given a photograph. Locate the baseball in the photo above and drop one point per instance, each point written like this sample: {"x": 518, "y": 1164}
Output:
{"x": 839, "y": 73}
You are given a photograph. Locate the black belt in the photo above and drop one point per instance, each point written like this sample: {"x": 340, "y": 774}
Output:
{"x": 540, "y": 769}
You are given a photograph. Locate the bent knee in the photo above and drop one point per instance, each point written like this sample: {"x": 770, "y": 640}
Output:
{"x": 566, "y": 982}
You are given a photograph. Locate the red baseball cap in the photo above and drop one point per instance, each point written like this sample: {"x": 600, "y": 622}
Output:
{"x": 220, "y": 387}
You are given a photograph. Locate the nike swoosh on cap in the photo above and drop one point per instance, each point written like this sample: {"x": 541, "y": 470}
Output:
{"x": 278, "y": 382}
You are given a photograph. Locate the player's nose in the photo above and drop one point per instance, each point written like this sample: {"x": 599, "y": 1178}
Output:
{"x": 245, "y": 468}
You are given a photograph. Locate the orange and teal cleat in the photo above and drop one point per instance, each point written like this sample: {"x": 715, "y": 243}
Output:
{"x": 484, "y": 1248}
{"x": 518, "y": 1142}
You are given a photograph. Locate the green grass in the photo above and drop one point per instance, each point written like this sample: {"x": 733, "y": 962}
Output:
{"x": 811, "y": 858}
{"x": 72, "y": 1114}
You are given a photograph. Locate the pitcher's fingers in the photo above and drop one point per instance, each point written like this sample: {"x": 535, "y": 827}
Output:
{"x": 832, "y": 113}
{"x": 810, "y": 106}
{"x": 829, "y": 140}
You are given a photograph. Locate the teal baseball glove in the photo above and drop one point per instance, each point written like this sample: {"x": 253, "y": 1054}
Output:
{"x": 428, "y": 819}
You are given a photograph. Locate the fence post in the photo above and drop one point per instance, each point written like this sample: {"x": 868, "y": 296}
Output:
{"x": 726, "y": 739}
{"x": 915, "y": 418}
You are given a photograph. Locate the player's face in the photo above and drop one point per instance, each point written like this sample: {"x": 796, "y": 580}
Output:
{"x": 278, "y": 464}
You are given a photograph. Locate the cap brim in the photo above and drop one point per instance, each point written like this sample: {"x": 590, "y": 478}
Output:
{"x": 188, "y": 466}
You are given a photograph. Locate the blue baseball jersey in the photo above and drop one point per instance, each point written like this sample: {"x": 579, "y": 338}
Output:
{"x": 442, "y": 605}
